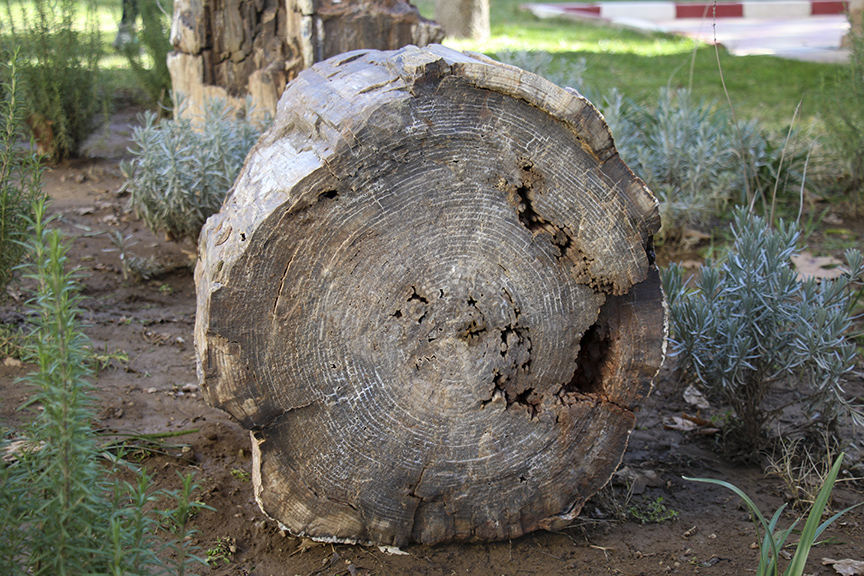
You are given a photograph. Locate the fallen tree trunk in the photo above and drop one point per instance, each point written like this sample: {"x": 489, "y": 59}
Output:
{"x": 431, "y": 298}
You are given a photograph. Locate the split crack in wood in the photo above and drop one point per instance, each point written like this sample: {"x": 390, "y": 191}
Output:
{"x": 444, "y": 303}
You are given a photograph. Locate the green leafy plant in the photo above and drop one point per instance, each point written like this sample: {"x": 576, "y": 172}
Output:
{"x": 687, "y": 151}
{"x": 63, "y": 514}
{"x": 177, "y": 522}
{"x": 12, "y": 341}
{"x": 184, "y": 168}
{"x": 20, "y": 175}
{"x": 222, "y": 551}
{"x": 749, "y": 329}
{"x": 135, "y": 268}
{"x": 774, "y": 539}
{"x": 60, "y": 47}
{"x": 148, "y": 53}
{"x": 653, "y": 512}
{"x": 241, "y": 475}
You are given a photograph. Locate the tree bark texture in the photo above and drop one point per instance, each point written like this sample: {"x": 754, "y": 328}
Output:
{"x": 855, "y": 12}
{"x": 463, "y": 18}
{"x": 236, "y": 48}
{"x": 431, "y": 297}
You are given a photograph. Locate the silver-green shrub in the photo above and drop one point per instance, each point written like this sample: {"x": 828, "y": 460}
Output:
{"x": 183, "y": 168}
{"x": 560, "y": 71}
{"x": 687, "y": 151}
{"x": 748, "y": 330}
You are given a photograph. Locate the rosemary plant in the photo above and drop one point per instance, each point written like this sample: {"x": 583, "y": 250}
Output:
{"x": 61, "y": 47}
{"x": 150, "y": 65}
{"x": 750, "y": 329}
{"x": 63, "y": 514}
{"x": 20, "y": 174}
{"x": 183, "y": 169}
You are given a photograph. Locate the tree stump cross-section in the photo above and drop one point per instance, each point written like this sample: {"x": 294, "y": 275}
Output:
{"x": 431, "y": 298}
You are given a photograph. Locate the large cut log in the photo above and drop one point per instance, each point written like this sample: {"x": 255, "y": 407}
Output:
{"x": 431, "y": 297}
{"x": 232, "y": 49}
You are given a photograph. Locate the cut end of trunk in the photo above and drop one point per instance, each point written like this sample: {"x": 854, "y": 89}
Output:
{"x": 431, "y": 295}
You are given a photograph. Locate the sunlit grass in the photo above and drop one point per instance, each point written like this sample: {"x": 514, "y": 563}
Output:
{"x": 638, "y": 64}
{"x": 107, "y": 14}
{"x": 574, "y": 37}
{"x": 116, "y": 76}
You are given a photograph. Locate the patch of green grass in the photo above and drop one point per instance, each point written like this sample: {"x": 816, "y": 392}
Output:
{"x": 638, "y": 64}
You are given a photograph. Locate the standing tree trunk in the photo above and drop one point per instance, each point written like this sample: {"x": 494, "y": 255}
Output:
{"x": 431, "y": 297}
{"x": 236, "y": 48}
{"x": 855, "y": 12}
{"x": 463, "y": 18}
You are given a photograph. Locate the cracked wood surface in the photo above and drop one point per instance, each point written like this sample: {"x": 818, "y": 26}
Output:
{"x": 431, "y": 298}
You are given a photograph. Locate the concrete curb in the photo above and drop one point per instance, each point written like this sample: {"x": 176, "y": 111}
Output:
{"x": 662, "y": 11}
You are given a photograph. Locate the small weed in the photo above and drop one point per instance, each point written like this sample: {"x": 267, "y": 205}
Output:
{"x": 241, "y": 475}
{"x": 802, "y": 470}
{"x": 104, "y": 359}
{"x": 654, "y": 512}
{"x": 13, "y": 342}
{"x": 612, "y": 502}
{"x": 137, "y": 447}
{"x": 222, "y": 551}
{"x": 135, "y": 268}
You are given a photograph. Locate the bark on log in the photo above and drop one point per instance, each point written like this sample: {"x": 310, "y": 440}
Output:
{"x": 236, "y": 48}
{"x": 431, "y": 298}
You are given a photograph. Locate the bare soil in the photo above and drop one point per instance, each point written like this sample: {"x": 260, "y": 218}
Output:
{"x": 156, "y": 391}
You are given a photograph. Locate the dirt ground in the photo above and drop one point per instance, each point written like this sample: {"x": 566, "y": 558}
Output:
{"x": 156, "y": 391}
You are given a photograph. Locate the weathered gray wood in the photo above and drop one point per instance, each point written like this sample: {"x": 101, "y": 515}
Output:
{"x": 431, "y": 298}
{"x": 236, "y": 48}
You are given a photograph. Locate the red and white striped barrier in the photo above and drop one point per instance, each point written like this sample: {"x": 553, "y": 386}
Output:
{"x": 661, "y": 11}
